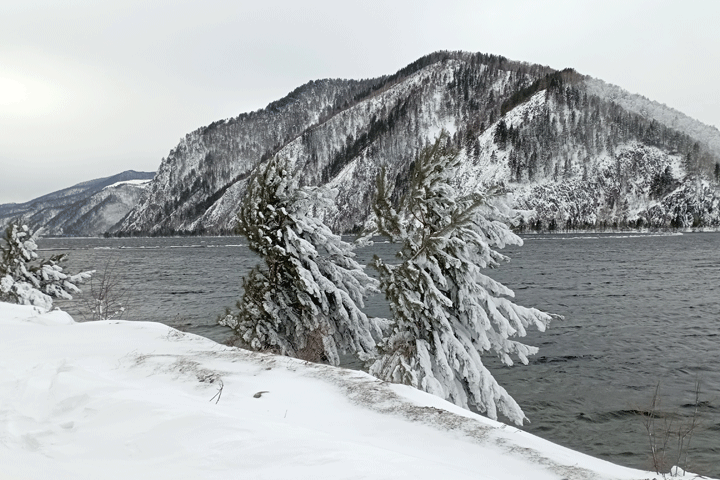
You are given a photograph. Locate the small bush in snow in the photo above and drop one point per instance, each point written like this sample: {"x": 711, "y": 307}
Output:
{"x": 28, "y": 280}
{"x": 106, "y": 297}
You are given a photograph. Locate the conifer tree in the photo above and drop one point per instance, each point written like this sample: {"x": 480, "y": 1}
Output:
{"x": 304, "y": 299}
{"x": 29, "y": 280}
{"x": 446, "y": 311}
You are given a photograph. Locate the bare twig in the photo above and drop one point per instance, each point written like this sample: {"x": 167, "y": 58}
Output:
{"x": 219, "y": 392}
{"x": 685, "y": 432}
{"x": 107, "y": 297}
{"x": 650, "y": 427}
{"x": 665, "y": 436}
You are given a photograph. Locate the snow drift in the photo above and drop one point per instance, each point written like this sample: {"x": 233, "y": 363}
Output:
{"x": 117, "y": 399}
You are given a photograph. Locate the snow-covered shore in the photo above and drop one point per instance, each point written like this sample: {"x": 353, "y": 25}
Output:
{"x": 116, "y": 399}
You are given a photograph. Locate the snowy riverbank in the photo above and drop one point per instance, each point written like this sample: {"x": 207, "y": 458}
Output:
{"x": 140, "y": 400}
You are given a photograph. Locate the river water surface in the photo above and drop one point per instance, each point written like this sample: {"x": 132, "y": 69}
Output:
{"x": 640, "y": 310}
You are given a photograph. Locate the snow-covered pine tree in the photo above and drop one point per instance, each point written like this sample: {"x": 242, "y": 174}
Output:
{"x": 446, "y": 311}
{"x": 304, "y": 300}
{"x": 29, "y": 280}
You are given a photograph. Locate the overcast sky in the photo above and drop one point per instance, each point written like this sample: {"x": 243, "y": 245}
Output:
{"x": 91, "y": 88}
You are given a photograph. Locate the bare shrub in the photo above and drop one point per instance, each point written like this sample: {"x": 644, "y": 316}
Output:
{"x": 669, "y": 434}
{"x": 106, "y": 297}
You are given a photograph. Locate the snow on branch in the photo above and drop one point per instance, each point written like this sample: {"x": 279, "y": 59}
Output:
{"x": 28, "y": 280}
{"x": 305, "y": 299}
{"x": 446, "y": 312}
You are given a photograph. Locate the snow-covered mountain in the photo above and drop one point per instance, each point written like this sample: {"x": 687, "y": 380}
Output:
{"x": 577, "y": 152}
{"x": 86, "y": 209}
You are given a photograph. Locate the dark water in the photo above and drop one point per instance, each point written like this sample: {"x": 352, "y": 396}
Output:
{"x": 639, "y": 310}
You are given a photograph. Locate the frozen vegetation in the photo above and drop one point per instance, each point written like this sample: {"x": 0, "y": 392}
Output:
{"x": 304, "y": 299}
{"x": 27, "y": 279}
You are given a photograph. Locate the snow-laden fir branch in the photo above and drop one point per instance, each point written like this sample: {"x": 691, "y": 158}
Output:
{"x": 446, "y": 312}
{"x": 28, "y": 280}
{"x": 304, "y": 300}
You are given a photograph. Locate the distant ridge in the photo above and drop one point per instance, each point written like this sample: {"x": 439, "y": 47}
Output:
{"x": 86, "y": 209}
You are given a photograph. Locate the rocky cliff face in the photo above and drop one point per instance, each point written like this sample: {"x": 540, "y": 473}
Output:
{"x": 575, "y": 152}
{"x": 86, "y": 209}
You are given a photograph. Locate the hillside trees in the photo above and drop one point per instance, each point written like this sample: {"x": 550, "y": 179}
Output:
{"x": 27, "y": 279}
{"x": 304, "y": 299}
{"x": 446, "y": 311}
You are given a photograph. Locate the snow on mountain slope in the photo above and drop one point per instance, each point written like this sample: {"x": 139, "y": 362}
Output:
{"x": 208, "y": 162}
{"x": 119, "y": 400}
{"x": 579, "y": 152}
{"x": 662, "y": 113}
{"x": 138, "y": 183}
{"x": 106, "y": 208}
{"x": 492, "y": 167}
{"x": 86, "y": 209}
{"x": 383, "y": 120}
{"x": 583, "y": 178}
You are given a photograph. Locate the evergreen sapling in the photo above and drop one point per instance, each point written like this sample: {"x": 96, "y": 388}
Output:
{"x": 446, "y": 312}
{"x": 28, "y": 280}
{"x": 305, "y": 298}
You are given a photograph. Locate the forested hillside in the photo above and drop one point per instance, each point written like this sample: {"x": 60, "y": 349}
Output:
{"x": 573, "y": 151}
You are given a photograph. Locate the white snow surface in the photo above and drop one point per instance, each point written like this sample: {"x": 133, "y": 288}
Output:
{"x": 121, "y": 400}
{"x": 136, "y": 183}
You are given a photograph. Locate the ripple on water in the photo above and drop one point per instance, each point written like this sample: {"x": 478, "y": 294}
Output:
{"x": 638, "y": 310}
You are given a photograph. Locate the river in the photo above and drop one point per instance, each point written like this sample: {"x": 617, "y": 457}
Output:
{"x": 640, "y": 311}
